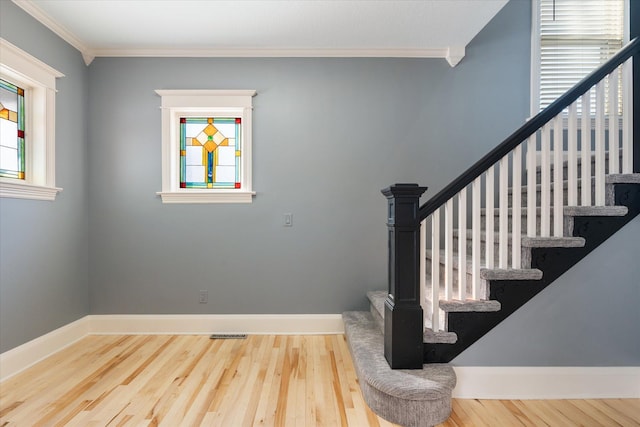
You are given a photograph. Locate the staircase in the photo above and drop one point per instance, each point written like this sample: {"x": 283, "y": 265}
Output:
{"x": 494, "y": 238}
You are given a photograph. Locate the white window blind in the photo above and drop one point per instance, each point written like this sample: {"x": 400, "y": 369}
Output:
{"x": 576, "y": 36}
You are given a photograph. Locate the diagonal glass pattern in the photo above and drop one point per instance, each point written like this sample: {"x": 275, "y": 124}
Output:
{"x": 210, "y": 152}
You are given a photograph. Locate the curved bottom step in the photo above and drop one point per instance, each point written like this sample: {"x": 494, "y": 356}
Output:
{"x": 413, "y": 398}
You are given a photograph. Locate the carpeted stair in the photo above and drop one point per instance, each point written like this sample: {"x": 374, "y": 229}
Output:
{"x": 413, "y": 398}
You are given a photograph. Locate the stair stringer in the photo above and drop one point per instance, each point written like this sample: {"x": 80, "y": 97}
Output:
{"x": 553, "y": 262}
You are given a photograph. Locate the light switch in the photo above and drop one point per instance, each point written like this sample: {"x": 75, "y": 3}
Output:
{"x": 288, "y": 220}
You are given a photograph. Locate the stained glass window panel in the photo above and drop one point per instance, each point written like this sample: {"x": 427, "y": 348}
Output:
{"x": 12, "y": 156}
{"x": 210, "y": 152}
{"x": 226, "y": 156}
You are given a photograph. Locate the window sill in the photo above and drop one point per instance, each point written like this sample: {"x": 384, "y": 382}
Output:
{"x": 203, "y": 196}
{"x": 22, "y": 190}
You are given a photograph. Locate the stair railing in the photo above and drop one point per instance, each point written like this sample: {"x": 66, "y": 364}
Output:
{"x": 593, "y": 120}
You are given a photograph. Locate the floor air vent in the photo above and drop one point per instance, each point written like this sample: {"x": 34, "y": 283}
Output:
{"x": 228, "y": 336}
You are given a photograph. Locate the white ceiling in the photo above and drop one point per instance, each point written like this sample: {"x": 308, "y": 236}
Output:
{"x": 393, "y": 28}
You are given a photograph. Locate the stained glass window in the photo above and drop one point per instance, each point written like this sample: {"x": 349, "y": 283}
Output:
{"x": 12, "y": 156}
{"x": 210, "y": 152}
{"x": 206, "y": 146}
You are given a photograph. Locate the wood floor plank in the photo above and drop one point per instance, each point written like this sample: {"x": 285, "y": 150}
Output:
{"x": 618, "y": 411}
{"x": 261, "y": 381}
{"x": 501, "y": 415}
{"x": 480, "y": 416}
{"x": 525, "y": 419}
{"x": 573, "y": 413}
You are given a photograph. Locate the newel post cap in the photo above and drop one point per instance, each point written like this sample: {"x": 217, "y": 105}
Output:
{"x": 403, "y": 190}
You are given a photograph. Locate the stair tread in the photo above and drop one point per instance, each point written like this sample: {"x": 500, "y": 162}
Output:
{"x": 523, "y": 209}
{"x": 376, "y": 298}
{"x": 553, "y": 242}
{"x": 439, "y": 337}
{"x": 510, "y": 274}
{"x": 469, "y": 305}
{"x": 498, "y": 273}
{"x": 595, "y": 210}
{"x": 623, "y": 178}
{"x": 531, "y": 242}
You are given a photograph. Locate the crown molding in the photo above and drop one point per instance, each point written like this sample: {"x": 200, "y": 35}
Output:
{"x": 66, "y": 35}
{"x": 276, "y": 53}
{"x": 452, "y": 54}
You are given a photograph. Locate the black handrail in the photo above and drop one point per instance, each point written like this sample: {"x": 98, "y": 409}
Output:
{"x": 529, "y": 129}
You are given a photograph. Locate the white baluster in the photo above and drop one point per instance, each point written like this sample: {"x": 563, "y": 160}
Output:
{"x": 627, "y": 117}
{"x": 572, "y": 159}
{"x": 531, "y": 185}
{"x": 489, "y": 210}
{"x": 448, "y": 250}
{"x": 585, "y": 150}
{"x": 462, "y": 244}
{"x": 516, "y": 216}
{"x": 476, "y": 190}
{"x": 614, "y": 139}
{"x": 600, "y": 148}
{"x": 503, "y": 231}
{"x": 435, "y": 270}
{"x": 558, "y": 150}
{"x": 545, "y": 182}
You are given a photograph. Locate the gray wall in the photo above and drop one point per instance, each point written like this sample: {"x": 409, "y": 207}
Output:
{"x": 328, "y": 135}
{"x": 44, "y": 245}
{"x": 588, "y": 317}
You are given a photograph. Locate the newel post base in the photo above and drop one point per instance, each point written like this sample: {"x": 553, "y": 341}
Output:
{"x": 403, "y": 321}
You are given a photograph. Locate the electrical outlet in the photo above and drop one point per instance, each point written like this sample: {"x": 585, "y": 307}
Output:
{"x": 203, "y": 297}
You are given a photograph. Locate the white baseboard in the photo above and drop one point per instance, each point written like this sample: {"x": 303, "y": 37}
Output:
{"x": 257, "y": 324}
{"x": 520, "y": 383}
{"x": 20, "y": 358}
{"x": 28, "y": 354}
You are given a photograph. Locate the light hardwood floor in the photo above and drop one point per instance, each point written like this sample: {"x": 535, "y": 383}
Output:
{"x": 263, "y": 380}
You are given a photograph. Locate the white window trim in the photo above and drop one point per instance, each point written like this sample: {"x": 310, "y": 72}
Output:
{"x": 534, "y": 89}
{"x": 178, "y": 103}
{"x": 535, "y": 54}
{"x": 39, "y": 81}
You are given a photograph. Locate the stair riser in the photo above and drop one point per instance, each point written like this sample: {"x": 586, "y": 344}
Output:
{"x": 483, "y": 248}
{"x": 483, "y": 284}
{"x": 565, "y": 168}
{"x": 455, "y": 274}
{"x": 377, "y": 317}
{"x": 441, "y": 315}
{"x": 524, "y": 198}
{"x": 523, "y": 222}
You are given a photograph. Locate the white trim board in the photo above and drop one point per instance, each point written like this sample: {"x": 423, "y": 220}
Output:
{"x": 547, "y": 382}
{"x": 473, "y": 382}
{"x": 194, "y": 324}
{"x": 28, "y": 354}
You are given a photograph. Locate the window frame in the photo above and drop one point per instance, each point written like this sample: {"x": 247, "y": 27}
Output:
{"x": 39, "y": 82}
{"x": 204, "y": 103}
